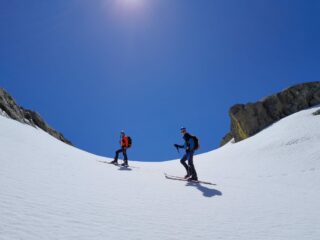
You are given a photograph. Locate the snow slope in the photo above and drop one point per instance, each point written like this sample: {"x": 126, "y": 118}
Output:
{"x": 267, "y": 188}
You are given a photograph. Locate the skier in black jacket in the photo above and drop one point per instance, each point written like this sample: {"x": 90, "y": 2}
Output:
{"x": 189, "y": 146}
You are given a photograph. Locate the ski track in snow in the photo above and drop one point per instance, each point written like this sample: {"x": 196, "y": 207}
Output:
{"x": 267, "y": 188}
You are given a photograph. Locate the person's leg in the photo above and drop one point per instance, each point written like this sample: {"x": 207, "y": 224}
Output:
{"x": 193, "y": 172}
{"x": 183, "y": 162}
{"x": 117, "y": 156}
{"x": 125, "y": 157}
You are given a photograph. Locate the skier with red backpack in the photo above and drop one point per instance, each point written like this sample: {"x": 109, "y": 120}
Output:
{"x": 125, "y": 143}
{"x": 191, "y": 145}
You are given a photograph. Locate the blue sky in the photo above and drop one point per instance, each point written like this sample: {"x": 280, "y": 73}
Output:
{"x": 93, "y": 68}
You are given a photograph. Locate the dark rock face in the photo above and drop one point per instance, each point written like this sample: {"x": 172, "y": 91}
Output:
{"x": 251, "y": 118}
{"x": 226, "y": 139}
{"x": 316, "y": 113}
{"x": 10, "y": 108}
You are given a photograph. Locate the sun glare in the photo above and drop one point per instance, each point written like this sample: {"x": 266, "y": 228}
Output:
{"x": 129, "y": 10}
{"x": 125, "y": 3}
{"x": 132, "y": 3}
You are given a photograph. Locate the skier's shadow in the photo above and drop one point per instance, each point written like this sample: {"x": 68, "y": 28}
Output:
{"x": 207, "y": 192}
{"x": 124, "y": 169}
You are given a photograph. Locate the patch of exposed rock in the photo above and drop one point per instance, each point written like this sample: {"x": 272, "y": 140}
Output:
{"x": 249, "y": 119}
{"x": 316, "y": 113}
{"x": 11, "y": 109}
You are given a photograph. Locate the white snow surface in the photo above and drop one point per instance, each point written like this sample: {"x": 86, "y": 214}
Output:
{"x": 268, "y": 187}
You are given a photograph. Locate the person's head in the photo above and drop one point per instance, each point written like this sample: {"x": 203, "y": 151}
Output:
{"x": 183, "y": 130}
{"x": 122, "y": 133}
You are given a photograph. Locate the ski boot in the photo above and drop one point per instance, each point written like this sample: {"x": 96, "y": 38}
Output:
{"x": 191, "y": 178}
{"x": 125, "y": 164}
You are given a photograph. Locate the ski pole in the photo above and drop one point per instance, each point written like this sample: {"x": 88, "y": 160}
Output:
{"x": 178, "y": 149}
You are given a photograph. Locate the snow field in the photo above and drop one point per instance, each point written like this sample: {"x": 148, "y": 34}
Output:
{"x": 267, "y": 188}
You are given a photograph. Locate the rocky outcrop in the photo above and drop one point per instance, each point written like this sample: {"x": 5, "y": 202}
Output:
{"x": 11, "y": 109}
{"x": 249, "y": 119}
{"x": 316, "y": 113}
{"x": 227, "y": 138}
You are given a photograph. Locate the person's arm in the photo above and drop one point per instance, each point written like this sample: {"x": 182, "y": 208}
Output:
{"x": 122, "y": 142}
{"x": 187, "y": 138}
{"x": 179, "y": 146}
{"x": 191, "y": 144}
{"x": 125, "y": 141}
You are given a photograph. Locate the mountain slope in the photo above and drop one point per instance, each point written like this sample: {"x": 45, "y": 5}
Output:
{"x": 9, "y": 108}
{"x": 267, "y": 188}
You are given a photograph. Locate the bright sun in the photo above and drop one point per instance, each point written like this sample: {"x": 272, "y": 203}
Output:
{"x": 129, "y": 7}
{"x": 133, "y": 2}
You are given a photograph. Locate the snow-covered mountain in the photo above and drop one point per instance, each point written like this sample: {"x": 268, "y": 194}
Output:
{"x": 267, "y": 188}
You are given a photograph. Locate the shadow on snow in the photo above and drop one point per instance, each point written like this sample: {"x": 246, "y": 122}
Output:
{"x": 124, "y": 168}
{"x": 207, "y": 192}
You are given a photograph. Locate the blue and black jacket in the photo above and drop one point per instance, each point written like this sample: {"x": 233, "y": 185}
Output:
{"x": 189, "y": 143}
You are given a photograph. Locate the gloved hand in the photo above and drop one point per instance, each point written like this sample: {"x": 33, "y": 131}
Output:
{"x": 176, "y": 145}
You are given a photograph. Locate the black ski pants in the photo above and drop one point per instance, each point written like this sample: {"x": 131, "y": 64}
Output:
{"x": 191, "y": 171}
{"x": 124, "y": 152}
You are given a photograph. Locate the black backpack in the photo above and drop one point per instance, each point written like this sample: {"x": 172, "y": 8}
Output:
{"x": 129, "y": 142}
{"x": 196, "y": 142}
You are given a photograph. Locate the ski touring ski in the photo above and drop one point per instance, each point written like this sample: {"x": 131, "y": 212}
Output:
{"x": 187, "y": 180}
{"x": 118, "y": 165}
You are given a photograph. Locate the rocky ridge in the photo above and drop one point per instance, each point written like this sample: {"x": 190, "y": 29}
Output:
{"x": 249, "y": 119}
{"x": 9, "y": 108}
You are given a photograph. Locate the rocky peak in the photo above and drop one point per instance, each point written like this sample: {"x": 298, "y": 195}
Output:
{"x": 249, "y": 119}
{"x": 9, "y": 108}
